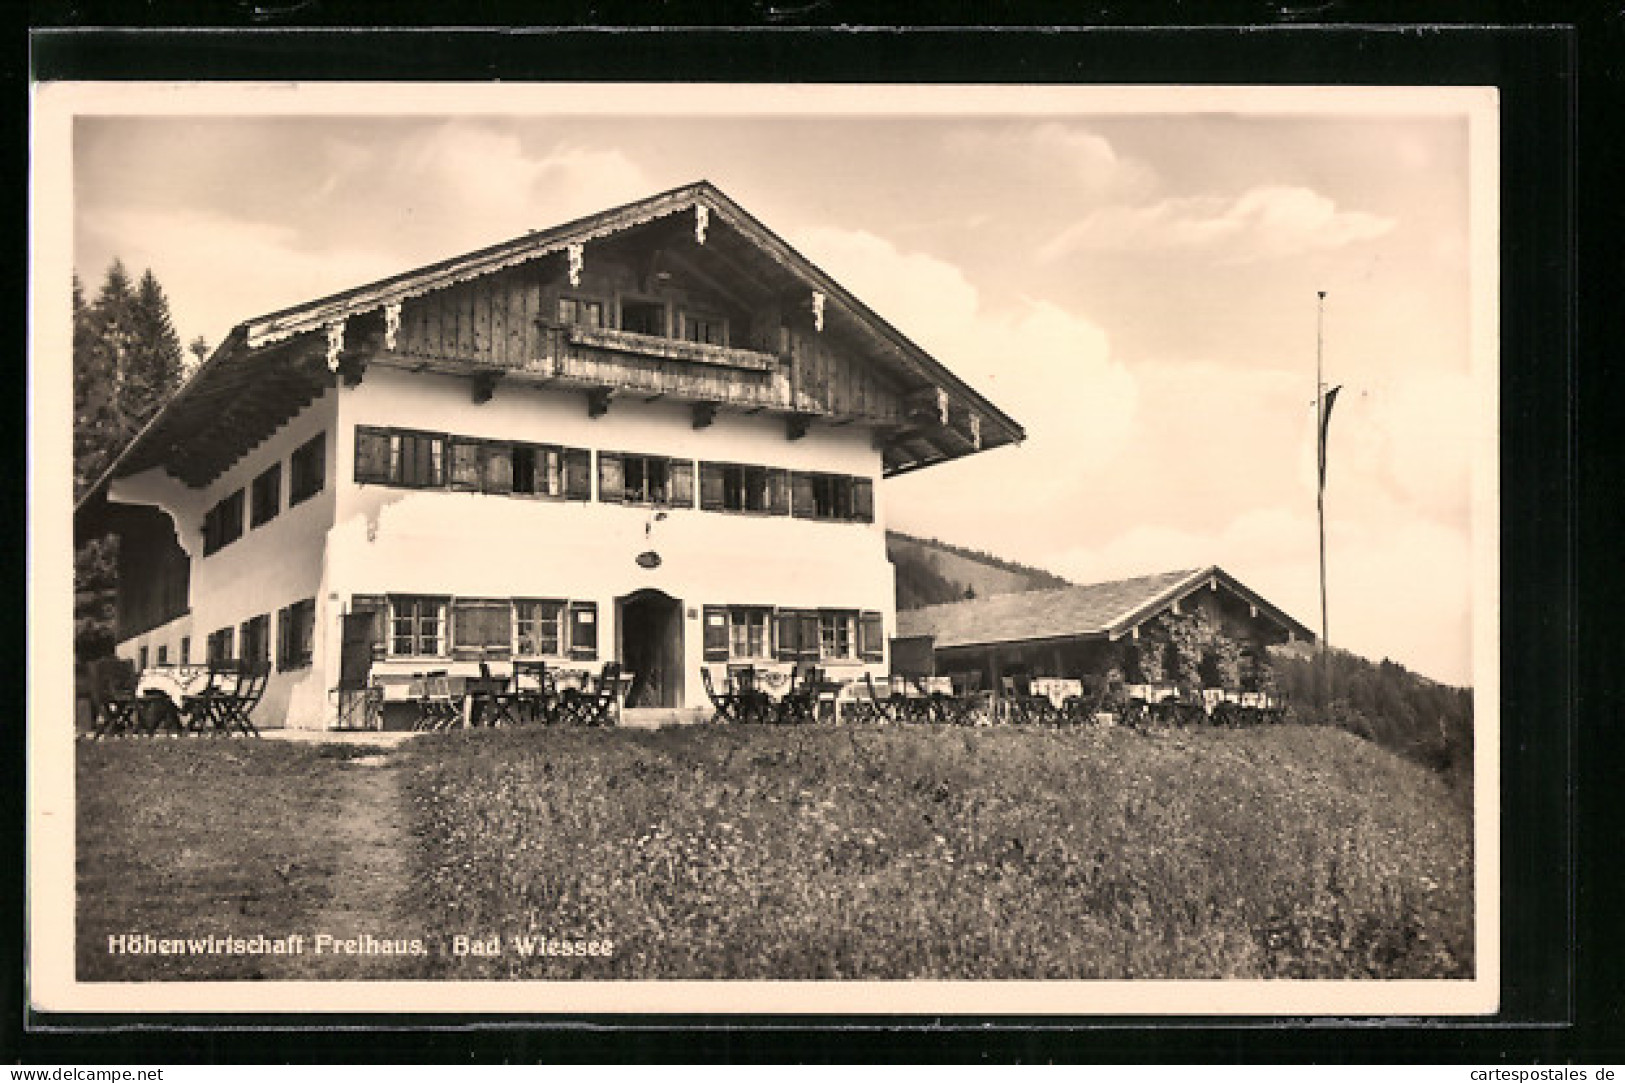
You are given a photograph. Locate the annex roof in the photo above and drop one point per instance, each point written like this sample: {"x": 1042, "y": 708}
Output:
{"x": 1091, "y": 611}
{"x": 270, "y": 366}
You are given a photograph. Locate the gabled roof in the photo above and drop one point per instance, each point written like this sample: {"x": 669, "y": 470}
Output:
{"x": 273, "y": 353}
{"x": 1092, "y": 611}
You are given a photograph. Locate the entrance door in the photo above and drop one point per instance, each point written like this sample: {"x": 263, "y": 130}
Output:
{"x": 651, "y": 636}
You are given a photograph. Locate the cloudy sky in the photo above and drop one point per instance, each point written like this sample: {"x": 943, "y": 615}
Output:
{"x": 1137, "y": 289}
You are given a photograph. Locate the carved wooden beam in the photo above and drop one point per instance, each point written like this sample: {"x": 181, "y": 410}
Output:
{"x": 704, "y": 414}
{"x": 598, "y": 401}
{"x": 929, "y": 404}
{"x": 485, "y": 385}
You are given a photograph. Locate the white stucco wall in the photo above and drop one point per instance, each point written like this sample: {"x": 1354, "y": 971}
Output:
{"x": 391, "y": 540}
{"x": 267, "y": 568}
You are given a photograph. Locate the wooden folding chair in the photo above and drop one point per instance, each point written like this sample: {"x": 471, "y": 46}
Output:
{"x": 115, "y": 708}
{"x": 236, "y": 706}
{"x": 204, "y": 709}
{"x": 438, "y": 709}
{"x": 725, "y": 705}
{"x": 535, "y": 696}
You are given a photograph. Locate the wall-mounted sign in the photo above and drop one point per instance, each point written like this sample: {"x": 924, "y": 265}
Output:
{"x": 648, "y": 559}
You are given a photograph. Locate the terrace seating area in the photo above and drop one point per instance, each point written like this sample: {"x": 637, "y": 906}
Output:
{"x": 218, "y": 698}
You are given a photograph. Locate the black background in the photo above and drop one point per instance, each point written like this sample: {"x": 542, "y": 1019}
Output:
{"x": 1559, "y": 71}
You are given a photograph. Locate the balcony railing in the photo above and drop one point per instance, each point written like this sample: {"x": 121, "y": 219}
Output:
{"x": 671, "y": 349}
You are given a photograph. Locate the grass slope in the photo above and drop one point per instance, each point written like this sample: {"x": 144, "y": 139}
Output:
{"x": 914, "y": 853}
{"x": 789, "y": 853}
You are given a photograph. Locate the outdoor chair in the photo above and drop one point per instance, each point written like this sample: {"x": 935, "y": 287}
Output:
{"x": 234, "y": 708}
{"x": 725, "y": 705}
{"x": 204, "y": 709}
{"x": 799, "y": 702}
{"x": 1026, "y": 706}
{"x": 115, "y": 708}
{"x": 492, "y": 701}
{"x": 534, "y": 694}
{"x": 438, "y": 709}
{"x": 870, "y": 707}
{"x": 597, "y": 706}
{"x": 751, "y": 702}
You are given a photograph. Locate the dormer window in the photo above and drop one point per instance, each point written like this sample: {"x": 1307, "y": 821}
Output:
{"x": 643, "y": 317}
{"x": 702, "y": 327}
{"x": 581, "y": 311}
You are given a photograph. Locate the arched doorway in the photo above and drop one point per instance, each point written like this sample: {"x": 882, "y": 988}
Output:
{"x": 650, "y": 627}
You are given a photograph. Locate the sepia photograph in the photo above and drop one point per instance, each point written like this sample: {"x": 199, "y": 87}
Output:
{"x": 606, "y": 548}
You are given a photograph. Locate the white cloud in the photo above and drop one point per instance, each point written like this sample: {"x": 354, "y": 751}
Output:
{"x": 1264, "y": 222}
{"x": 1052, "y": 153}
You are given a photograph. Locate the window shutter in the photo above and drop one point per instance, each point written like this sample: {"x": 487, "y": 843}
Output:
{"x": 578, "y": 473}
{"x": 807, "y": 638}
{"x": 611, "y": 477}
{"x": 872, "y": 637}
{"x": 371, "y": 456}
{"x": 803, "y": 504}
{"x": 778, "y": 492}
{"x": 787, "y": 644}
{"x": 716, "y": 633}
{"x": 465, "y": 466}
{"x": 682, "y": 483}
{"x": 863, "y": 500}
{"x": 284, "y": 637}
{"x": 497, "y": 475}
{"x": 711, "y": 486}
{"x": 583, "y": 629}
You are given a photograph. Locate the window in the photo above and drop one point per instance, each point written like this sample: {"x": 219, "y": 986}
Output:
{"x": 538, "y": 628}
{"x": 581, "y": 311}
{"x": 832, "y": 496}
{"x": 220, "y": 646}
{"x": 412, "y": 459}
{"x": 732, "y": 487}
{"x": 748, "y": 634}
{"x": 836, "y": 634}
{"x": 223, "y": 524}
{"x": 644, "y": 317}
{"x": 417, "y": 625}
{"x": 163, "y": 655}
{"x": 583, "y": 629}
{"x": 141, "y": 658}
{"x": 295, "y": 631}
{"x": 481, "y": 628}
{"x": 703, "y": 328}
{"x": 645, "y": 479}
{"x": 481, "y": 467}
{"x": 186, "y": 650}
{"x": 255, "y": 639}
{"x": 307, "y": 469}
{"x": 266, "y": 496}
{"x": 540, "y": 470}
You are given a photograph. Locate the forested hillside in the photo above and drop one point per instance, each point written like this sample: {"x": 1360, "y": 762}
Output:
{"x": 930, "y": 572}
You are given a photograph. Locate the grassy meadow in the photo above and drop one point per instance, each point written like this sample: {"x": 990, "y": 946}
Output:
{"x": 803, "y": 852}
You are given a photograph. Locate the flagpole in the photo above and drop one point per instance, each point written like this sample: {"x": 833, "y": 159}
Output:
{"x": 1320, "y": 487}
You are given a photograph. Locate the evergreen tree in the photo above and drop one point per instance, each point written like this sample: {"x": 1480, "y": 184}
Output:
{"x": 126, "y": 365}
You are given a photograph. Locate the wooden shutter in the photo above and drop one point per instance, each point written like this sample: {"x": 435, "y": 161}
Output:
{"x": 871, "y": 637}
{"x": 803, "y": 504}
{"x": 787, "y": 642}
{"x": 778, "y": 492}
{"x": 578, "y": 473}
{"x": 497, "y": 475}
{"x": 716, "y": 633}
{"x": 284, "y": 637}
{"x": 361, "y": 632}
{"x": 371, "y": 458}
{"x": 681, "y": 473}
{"x": 863, "y": 500}
{"x": 583, "y": 629}
{"x": 711, "y": 486}
{"x": 611, "y": 477}
{"x": 465, "y": 466}
{"x": 807, "y": 644}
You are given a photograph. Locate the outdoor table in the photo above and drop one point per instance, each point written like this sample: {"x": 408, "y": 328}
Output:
{"x": 1057, "y": 689}
{"x": 164, "y": 688}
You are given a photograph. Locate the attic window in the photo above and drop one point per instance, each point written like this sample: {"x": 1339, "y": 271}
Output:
{"x": 703, "y": 328}
{"x": 643, "y": 317}
{"x": 579, "y": 311}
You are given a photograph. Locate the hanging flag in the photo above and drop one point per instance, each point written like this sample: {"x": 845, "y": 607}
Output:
{"x": 1325, "y": 423}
